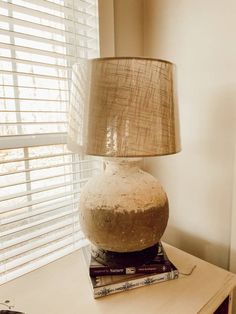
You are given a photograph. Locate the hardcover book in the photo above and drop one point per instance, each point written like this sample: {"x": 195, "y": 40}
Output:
{"x": 160, "y": 264}
{"x": 106, "y": 285}
{"x": 103, "y": 286}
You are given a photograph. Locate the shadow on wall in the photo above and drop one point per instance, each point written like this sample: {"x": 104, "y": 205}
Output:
{"x": 197, "y": 246}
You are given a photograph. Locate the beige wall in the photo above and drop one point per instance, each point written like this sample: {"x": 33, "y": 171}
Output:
{"x": 121, "y": 27}
{"x": 106, "y": 28}
{"x": 128, "y": 16}
{"x": 198, "y": 37}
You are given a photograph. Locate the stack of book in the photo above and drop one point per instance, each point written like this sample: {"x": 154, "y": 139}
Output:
{"x": 107, "y": 280}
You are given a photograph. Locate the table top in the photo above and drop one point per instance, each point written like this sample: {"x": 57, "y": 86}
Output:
{"x": 62, "y": 287}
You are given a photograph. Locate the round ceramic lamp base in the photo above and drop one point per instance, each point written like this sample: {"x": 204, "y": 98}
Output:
{"x": 124, "y": 209}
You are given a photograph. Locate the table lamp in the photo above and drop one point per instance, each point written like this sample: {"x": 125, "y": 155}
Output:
{"x": 124, "y": 109}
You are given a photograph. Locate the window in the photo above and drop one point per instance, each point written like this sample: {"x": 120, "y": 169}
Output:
{"x": 40, "y": 180}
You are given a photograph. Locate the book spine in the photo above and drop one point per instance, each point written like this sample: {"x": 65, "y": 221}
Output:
{"x": 147, "y": 269}
{"x": 134, "y": 283}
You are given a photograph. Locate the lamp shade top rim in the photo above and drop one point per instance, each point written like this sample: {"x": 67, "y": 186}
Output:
{"x": 130, "y": 58}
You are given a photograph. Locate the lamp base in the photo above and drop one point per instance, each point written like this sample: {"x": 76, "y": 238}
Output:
{"x": 123, "y": 209}
{"x": 116, "y": 259}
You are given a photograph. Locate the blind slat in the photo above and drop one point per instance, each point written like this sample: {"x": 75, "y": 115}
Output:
{"x": 33, "y": 122}
{"x": 41, "y": 200}
{"x": 31, "y": 140}
{"x": 56, "y": 43}
{"x": 44, "y": 28}
{"x": 81, "y": 7}
{"x": 32, "y": 111}
{"x": 91, "y": 170}
{"x": 44, "y": 52}
{"x": 34, "y": 63}
{"x": 63, "y": 154}
{"x": 41, "y": 168}
{"x": 44, "y": 76}
{"x": 33, "y": 99}
{"x": 38, "y": 88}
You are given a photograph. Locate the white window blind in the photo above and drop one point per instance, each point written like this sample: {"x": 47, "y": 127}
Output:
{"x": 40, "y": 180}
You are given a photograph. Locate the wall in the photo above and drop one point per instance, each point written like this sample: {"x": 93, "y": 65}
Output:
{"x": 198, "y": 37}
{"x": 106, "y": 28}
{"x": 121, "y": 27}
{"x": 128, "y": 19}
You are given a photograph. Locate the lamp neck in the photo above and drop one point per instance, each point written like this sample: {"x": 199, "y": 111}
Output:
{"x": 122, "y": 165}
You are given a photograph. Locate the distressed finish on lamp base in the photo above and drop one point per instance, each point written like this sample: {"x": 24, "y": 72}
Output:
{"x": 124, "y": 209}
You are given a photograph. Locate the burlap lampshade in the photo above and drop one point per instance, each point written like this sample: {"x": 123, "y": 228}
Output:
{"x": 123, "y": 107}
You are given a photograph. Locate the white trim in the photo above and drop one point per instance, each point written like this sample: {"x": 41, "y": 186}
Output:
{"x": 21, "y": 141}
{"x": 232, "y": 265}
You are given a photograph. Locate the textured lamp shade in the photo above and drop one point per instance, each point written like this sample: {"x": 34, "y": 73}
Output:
{"x": 123, "y": 107}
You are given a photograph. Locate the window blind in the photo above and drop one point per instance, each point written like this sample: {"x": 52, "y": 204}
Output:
{"x": 40, "y": 180}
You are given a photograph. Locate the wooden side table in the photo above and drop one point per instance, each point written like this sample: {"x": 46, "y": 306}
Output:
{"x": 62, "y": 287}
